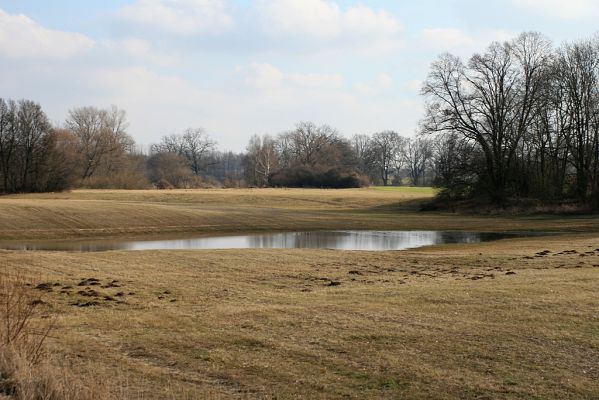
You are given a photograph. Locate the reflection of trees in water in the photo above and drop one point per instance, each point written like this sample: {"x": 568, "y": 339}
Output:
{"x": 360, "y": 240}
{"x": 340, "y": 240}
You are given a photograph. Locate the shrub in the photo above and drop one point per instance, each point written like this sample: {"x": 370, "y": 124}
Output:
{"x": 333, "y": 178}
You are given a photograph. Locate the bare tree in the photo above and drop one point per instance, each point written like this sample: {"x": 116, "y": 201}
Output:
{"x": 198, "y": 148}
{"x": 491, "y": 101}
{"x": 28, "y": 150}
{"x": 194, "y": 144}
{"x": 455, "y": 164}
{"x": 167, "y": 169}
{"x": 262, "y": 159}
{"x": 102, "y": 137}
{"x": 383, "y": 153}
{"x": 33, "y": 127}
{"x": 308, "y": 143}
{"x": 361, "y": 147}
{"x": 417, "y": 155}
{"x": 579, "y": 72}
{"x": 8, "y": 140}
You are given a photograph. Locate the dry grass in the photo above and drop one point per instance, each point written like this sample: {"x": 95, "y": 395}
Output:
{"x": 107, "y": 213}
{"x": 439, "y": 323}
{"x": 501, "y": 320}
{"x": 27, "y": 370}
{"x": 88, "y": 213}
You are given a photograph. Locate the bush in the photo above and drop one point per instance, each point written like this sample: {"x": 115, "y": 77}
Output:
{"x": 331, "y": 178}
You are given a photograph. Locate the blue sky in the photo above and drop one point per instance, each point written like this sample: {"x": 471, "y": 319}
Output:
{"x": 239, "y": 67}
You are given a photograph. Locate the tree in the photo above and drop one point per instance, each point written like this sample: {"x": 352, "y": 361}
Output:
{"x": 417, "y": 154}
{"x": 30, "y": 155}
{"x": 33, "y": 126}
{"x": 579, "y": 72}
{"x": 307, "y": 156}
{"x": 169, "y": 170}
{"x": 455, "y": 164}
{"x": 261, "y": 159}
{"x": 102, "y": 137}
{"x": 490, "y": 101}
{"x": 8, "y": 141}
{"x": 310, "y": 144}
{"x": 62, "y": 162}
{"x": 382, "y": 154}
{"x": 194, "y": 144}
{"x": 361, "y": 145}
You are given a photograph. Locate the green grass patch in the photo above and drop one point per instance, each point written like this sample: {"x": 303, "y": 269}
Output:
{"x": 407, "y": 189}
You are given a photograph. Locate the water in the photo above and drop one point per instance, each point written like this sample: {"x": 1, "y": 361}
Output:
{"x": 337, "y": 240}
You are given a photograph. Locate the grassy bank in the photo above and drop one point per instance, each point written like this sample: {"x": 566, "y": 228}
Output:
{"x": 89, "y": 214}
{"x": 503, "y": 320}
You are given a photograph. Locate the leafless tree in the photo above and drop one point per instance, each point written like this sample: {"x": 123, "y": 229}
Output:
{"x": 102, "y": 137}
{"x": 383, "y": 153}
{"x": 8, "y": 140}
{"x": 490, "y": 101}
{"x": 262, "y": 159}
{"x": 361, "y": 146}
{"x": 33, "y": 126}
{"x": 167, "y": 169}
{"x": 194, "y": 144}
{"x": 417, "y": 154}
{"x": 308, "y": 143}
{"x": 579, "y": 73}
{"x": 28, "y": 150}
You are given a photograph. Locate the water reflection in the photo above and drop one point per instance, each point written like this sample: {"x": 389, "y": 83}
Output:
{"x": 338, "y": 240}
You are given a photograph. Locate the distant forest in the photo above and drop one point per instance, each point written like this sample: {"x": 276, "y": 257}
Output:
{"x": 519, "y": 121}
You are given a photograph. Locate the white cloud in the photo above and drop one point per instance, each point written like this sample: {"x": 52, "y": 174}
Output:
{"x": 160, "y": 104}
{"x": 165, "y": 84}
{"x": 381, "y": 84}
{"x": 136, "y": 46}
{"x": 264, "y": 76}
{"x": 182, "y": 17}
{"x": 21, "y": 37}
{"x": 139, "y": 50}
{"x": 364, "y": 20}
{"x": 305, "y": 17}
{"x": 325, "y": 20}
{"x": 569, "y": 9}
{"x": 316, "y": 81}
{"x": 414, "y": 86}
{"x": 459, "y": 41}
{"x": 447, "y": 38}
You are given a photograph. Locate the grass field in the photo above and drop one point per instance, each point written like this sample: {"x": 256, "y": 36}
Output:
{"x": 90, "y": 214}
{"x": 513, "y": 319}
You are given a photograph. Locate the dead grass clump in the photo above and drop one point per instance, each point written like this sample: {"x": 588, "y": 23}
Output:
{"x": 27, "y": 370}
{"x": 22, "y": 380}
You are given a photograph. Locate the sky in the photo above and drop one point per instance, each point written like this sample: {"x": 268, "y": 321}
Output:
{"x": 243, "y": 67}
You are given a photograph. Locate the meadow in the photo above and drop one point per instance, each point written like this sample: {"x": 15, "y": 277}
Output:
{"x": 511, "y": 319}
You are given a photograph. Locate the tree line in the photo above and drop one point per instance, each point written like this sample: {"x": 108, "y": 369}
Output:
{"x": 520, "y": 120}
{"x": 93, "y": 149}
{"x": 318, "y": 156}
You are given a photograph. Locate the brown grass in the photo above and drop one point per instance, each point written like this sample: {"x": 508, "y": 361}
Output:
{"x": 501, "y": 320}
{"x": 108, "y": 213}
{"x": 27, "y": 369}
{"x": 438, "y": 323}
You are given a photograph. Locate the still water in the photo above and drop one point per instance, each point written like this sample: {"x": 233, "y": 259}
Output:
{"x": 337, "y": 240}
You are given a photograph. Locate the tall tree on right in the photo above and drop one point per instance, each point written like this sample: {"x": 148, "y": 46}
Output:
{"x": 578, "y": 74}
{"x": 491, "y": 101}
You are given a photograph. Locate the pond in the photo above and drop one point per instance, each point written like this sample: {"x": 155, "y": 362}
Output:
{"x": 336, "y": 240}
